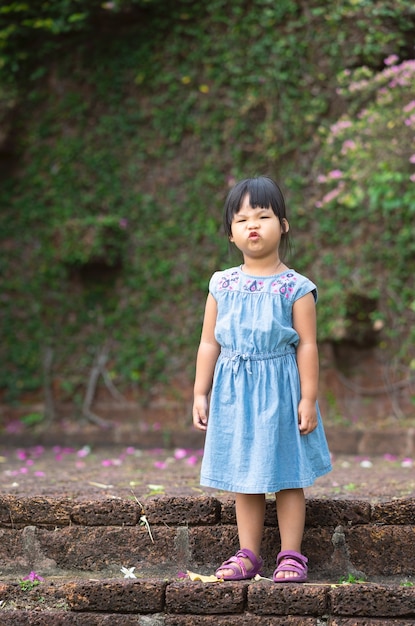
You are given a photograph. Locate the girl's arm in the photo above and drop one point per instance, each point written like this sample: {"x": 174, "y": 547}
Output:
{"x": 304, "y": 322}
{"x": 207, "y": 355}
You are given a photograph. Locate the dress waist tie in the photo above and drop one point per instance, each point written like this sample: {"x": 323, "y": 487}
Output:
{"x": 236, "y": 358}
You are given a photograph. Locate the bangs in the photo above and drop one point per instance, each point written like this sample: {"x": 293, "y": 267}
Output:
{"x": 260, "y": 193}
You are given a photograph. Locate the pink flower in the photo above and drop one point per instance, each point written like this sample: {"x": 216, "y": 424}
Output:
{"x": 339, "y": 126}
{"x": 335, "y": 174}
{"x": 39, "y": 474}
{"x": 412, "y": 158}
{"x": 160, "y": 464}
{"x": 349, "y": 144}
{"x": 21, "y": 455}
{"x": 180, "y": 453}
{"x": 192, "y": 460}
{"x": 33, "y": 576}
{"x": 391, "y": 59}
{"x": 331, "y": 195}
{"x": 409, "y": 106}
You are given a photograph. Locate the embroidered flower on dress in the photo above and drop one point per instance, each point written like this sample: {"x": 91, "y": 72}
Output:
{"x": 254, "y": 285}
{"x": 284, "y": 284}
{"x": 228, "y": 281}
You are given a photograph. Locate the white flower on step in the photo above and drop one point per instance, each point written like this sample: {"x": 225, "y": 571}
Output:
{"x": 366, "y": 464}
{"x": 128, "y": 572}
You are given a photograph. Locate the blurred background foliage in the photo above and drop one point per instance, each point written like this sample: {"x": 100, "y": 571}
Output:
{"x": 122, "y": 125}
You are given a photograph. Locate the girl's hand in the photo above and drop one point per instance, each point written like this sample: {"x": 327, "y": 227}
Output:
{"x": 200, "y": 412}
{"x": 307, "y": 416}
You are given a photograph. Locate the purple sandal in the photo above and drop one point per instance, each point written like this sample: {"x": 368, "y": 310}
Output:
{"x": 290, "y": 561}
{"x": 238, "y": 567}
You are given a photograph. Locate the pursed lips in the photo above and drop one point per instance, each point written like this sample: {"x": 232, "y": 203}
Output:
{"x": 253, "y": 235}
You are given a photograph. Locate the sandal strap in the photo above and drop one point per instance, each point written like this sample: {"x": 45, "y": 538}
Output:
{"x": 236, "y": 561}
{"x": 248, "y": 554}
{"x": 291, "y": 565}
{"x": 292, "y": 554}
{"x": 235, "y": 564}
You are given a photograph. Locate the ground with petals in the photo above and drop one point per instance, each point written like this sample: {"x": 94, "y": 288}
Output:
{"x": 121, "y": 472}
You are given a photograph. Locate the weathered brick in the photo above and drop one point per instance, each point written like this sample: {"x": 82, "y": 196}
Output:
{"x": 247, "y": 619}
{"x": 65, "y": 618}
{"x": 106, "y": 513}
{"x": 363, "y": 621}
{"x": 266, "y": 598}
{"x": 319, "y": 549}
{"x": 372, "y": 600}
{"x": 382, "y": 550}
{"x": 12, "y": 553}
{"x": 183, "y": 511}
{"x": 211, "y": 545}
{"x": 36, "y": 511}
{"x": 97, "y": 548}
{"x": 395, "y": 512}
{"x": 48, "y": 591}
{"x": 112, "y": 596}
{"x": 208, "y": 599}
{"x": 334, "y": 512}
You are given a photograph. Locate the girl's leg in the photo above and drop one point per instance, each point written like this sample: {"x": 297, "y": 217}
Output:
{"x": 250, "y": 513}
{"x": 291, "y": 521}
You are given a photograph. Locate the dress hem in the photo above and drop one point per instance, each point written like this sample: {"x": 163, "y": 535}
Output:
{"x": 294, "y": 484}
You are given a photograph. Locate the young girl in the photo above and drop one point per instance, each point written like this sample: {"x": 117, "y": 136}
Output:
{"x": 258, "y": 357}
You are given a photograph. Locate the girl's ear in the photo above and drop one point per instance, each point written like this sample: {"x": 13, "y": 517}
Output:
{"x": 285, "y": 226}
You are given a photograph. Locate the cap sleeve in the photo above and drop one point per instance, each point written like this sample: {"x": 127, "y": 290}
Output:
{"x": 213, "y": 284}
{"x": 306, "y": 286}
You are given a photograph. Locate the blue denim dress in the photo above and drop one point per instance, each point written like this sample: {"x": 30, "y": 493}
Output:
{"x": 253, "y": 443}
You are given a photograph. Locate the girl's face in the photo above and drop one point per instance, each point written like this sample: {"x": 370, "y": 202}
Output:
{"x": 257, "y": 231}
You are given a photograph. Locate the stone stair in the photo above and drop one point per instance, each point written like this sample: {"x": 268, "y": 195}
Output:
{"x": 79, "y": 548}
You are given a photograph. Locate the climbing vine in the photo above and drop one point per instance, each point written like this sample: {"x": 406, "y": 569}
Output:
{"x": 123, "y": 123}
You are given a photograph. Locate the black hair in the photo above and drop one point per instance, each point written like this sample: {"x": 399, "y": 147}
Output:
{"x": 262, "y": 192}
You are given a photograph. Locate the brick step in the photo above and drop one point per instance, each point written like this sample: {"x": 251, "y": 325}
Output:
{"x": 55, "y": 535}
{"x": 158, "y": 602}
{"x": 79, "y": 548}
